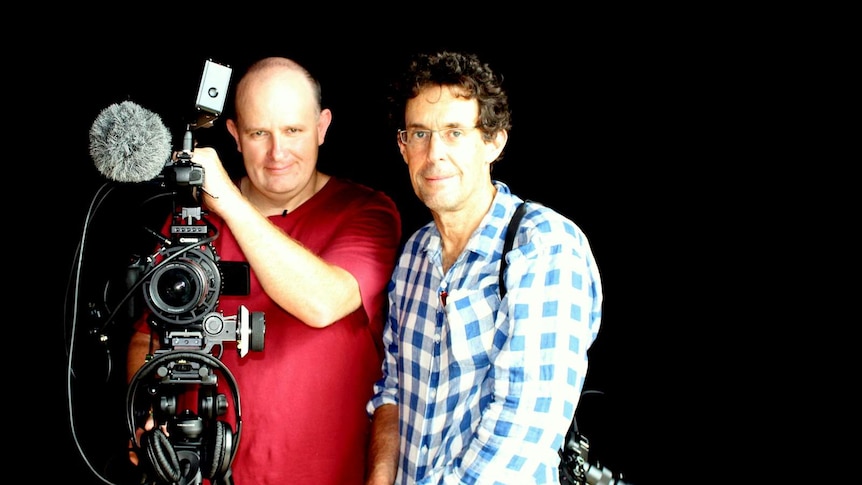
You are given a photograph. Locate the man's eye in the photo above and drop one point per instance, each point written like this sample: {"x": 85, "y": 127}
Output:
{"x": 420, "y": 134}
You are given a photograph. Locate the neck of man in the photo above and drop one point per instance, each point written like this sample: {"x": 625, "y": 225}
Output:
{"x": 282, "y": 204}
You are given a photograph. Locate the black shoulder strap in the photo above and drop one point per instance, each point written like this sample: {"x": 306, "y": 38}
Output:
{"x": 510, "y": 240}
{"x": 569, "y": 451}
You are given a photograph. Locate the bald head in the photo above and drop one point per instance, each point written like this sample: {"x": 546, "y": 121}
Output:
{"x": 274, "y": 69}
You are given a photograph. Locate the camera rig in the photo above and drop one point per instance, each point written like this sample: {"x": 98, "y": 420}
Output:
{"x": 181, "y": 283}
{"x": 183, "y": 280}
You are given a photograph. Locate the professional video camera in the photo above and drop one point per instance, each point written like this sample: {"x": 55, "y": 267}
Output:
{"x": 183, "y": 280}
{"x": 180, "y": 281}
{"x": 181, "y": 284}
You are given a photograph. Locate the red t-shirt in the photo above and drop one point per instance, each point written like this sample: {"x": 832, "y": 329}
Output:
{"x": 303, "y": 396}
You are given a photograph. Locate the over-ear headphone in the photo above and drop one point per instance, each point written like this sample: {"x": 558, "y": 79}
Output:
{"x": 196, "y": 444}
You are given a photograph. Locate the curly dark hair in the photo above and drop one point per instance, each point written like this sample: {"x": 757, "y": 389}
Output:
{"x": 474, "y": 79}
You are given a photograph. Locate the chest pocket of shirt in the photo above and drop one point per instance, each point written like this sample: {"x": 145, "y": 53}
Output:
{"x": 470, "y": 317}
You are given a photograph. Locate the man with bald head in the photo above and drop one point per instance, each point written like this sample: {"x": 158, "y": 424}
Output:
{"x": 321, "y": 250}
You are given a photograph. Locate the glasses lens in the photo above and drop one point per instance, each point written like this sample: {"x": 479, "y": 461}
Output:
{"x": 449, "y": 136}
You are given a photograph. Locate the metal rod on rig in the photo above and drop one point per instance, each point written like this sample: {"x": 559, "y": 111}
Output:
{"x": 188, "y": 143}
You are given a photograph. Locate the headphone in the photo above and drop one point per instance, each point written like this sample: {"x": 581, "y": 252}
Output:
{"x": 196, "y": 444}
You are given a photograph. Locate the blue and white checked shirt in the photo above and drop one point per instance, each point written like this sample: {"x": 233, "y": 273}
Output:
{"x": 486, "y": 389}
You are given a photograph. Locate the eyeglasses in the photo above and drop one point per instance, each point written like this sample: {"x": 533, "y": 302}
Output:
{"x": 416, "y": 138}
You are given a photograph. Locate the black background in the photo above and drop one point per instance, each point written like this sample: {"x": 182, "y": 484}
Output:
{"x": 604, "y": 127}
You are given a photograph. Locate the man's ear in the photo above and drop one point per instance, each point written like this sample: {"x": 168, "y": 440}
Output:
{"x": 403, "y": 149}
{"x": 323, "y": 122}
{"x": 496, "y": 145}
{"x": 234, "y": 132}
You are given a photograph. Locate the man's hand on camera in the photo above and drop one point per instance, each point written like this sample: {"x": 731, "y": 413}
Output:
{"x": 218, "y": 188}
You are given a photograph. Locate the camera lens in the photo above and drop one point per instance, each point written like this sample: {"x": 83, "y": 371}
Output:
{"x": 177, "y": 287}
{"x": 183, "y": 290}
